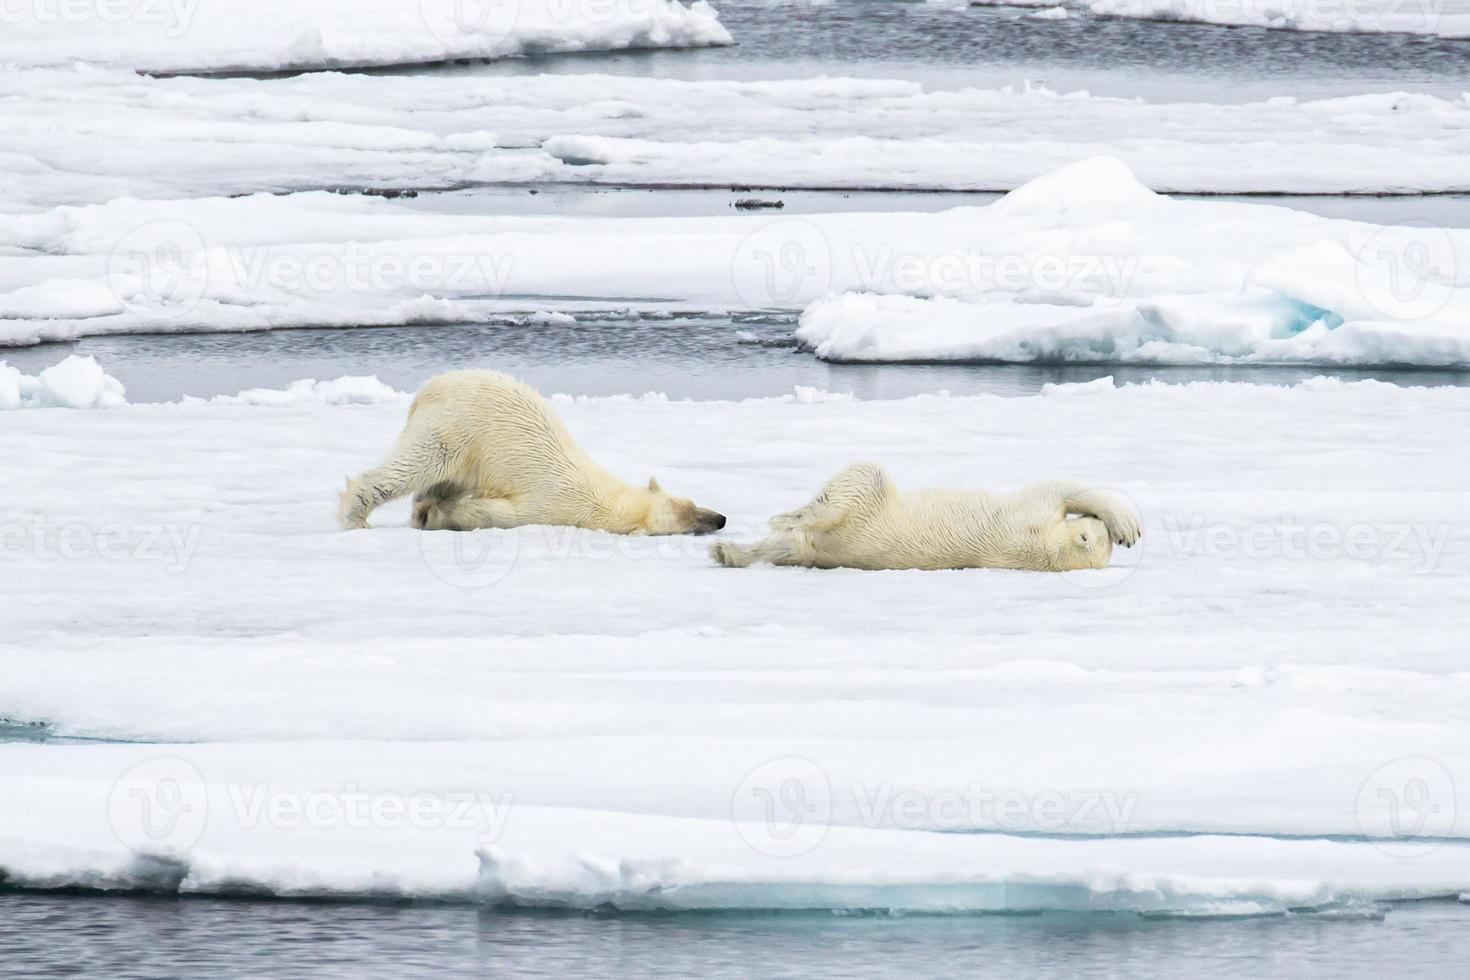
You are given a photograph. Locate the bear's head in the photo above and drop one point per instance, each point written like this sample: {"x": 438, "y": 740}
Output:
{"x": 1084, "y": 544}
{"x": 663, "y": 513}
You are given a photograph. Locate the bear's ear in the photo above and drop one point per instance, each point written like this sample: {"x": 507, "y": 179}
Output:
{"x": 653, "y": 485}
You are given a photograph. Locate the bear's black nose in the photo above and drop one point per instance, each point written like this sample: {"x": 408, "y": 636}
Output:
{"x": 719, "y": 521}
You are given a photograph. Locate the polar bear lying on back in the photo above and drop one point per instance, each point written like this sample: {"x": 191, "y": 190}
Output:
{"x": 860, "y": 520}
{"x": 481, "y": 449}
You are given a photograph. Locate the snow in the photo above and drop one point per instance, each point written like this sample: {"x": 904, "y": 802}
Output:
{"x": 1274, "y": 673}
{"x": 1444, "y": 18}
{"x": 341, "y": 391}
{"x": 89, "y": 136}
{"x": 283, "y": 35}
{"x": 76, "y": 382}
{"x": 1082, "y": 264}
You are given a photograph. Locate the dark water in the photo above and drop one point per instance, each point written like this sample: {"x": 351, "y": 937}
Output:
{"x": 1440, "y": 210}
{"x": 700, "y": 359}
{"x": 45, "y": 935}
{"x": 953, "y": 46}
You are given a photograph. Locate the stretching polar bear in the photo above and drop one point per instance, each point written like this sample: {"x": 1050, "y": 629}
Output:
{"x": 860, "y": 520}
{"x": 481, "y": 449}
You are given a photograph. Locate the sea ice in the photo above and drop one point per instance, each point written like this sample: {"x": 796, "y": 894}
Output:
{"x": 285, "y": 35}
{"x": 1084, "y": 264}
{"x": 87, "y": 136}
{"x": 1263, "y": 707}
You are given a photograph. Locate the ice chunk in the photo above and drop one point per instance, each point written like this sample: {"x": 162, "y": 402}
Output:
{"x": 76, "y": 382}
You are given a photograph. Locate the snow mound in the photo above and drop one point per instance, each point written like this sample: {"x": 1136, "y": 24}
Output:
{"x": 284, "y": 35}
{"x": 1070, "y": 276}
{"x": 1093, "y": 184}
{"x": 346, "y": 390}
{"x": 1444, "y": 18}
{"x": 77, "y": 382}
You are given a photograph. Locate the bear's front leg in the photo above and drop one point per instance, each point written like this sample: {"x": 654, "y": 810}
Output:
{"x": 1113, "y": 509}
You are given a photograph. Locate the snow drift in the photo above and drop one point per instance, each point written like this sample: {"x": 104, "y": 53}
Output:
{"x": 287, "y": 35}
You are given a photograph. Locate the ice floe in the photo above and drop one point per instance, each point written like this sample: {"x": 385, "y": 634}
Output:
{"x": 286, "y": 35}
{"x": 1084, "y": 264}
{"x": 1263, "y": 709}
{"x": 87, "y": 136}
{"x": 1443, "y": 18}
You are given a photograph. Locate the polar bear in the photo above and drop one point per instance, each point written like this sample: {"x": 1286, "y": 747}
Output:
{"x": 481, "y": 449}
{"x": 860, "y": 520}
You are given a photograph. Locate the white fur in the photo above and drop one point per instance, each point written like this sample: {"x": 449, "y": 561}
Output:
{"x": 481, "y": 449}
{"x": 860, "y": 520}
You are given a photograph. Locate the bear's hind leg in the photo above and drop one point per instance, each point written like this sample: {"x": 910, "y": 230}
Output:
{"x": 426, "y": 500}
{"x": 779, "y": 549}
{"x": 469, "y": 513}
{"x": 862, "y": 488}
